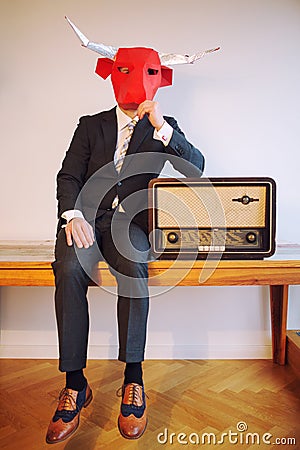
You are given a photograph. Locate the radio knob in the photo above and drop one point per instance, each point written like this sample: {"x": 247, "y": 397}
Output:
{"x": 246, "y": 199}
{"x": 173, "y": 237}
{"x": 251, "y": 237}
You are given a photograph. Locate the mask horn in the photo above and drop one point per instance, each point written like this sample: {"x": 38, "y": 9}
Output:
{"x": 170, "y": 59}
{"x": 104, "y": 50}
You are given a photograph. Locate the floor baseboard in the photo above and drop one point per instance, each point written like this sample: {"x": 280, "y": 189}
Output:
{"x": 152, "y": 351}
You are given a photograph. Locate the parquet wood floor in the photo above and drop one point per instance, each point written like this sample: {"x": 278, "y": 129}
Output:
{"x": 191, "y": 397}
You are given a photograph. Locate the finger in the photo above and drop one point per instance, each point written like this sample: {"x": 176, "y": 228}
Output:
{"x": 68, "y": 236}
{"x": 150, "y": 108}
{"x": 79, "y": 237}
{"x": 85, "y": 233}
{"x": 144, "y": 108}
{"x": 140, "y": 112}
{"x": 144, "y": 103}
{"x": 91, "y": 232}
{"x": 88, "y": 233}
{"x": 76, "y": 238}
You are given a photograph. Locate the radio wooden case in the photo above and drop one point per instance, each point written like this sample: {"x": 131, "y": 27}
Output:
{"x": 225, "y": 217}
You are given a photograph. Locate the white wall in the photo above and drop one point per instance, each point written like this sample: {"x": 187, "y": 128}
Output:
{"x": 240, "y": 106}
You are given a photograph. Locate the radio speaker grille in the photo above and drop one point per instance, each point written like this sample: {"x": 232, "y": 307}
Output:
{"x": 210, "y": 206}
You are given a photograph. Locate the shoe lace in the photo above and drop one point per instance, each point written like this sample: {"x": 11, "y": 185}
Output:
{"x": 134, "y": 397}
{"x": 134, "y": 394}
{"x": 66, "y": 400}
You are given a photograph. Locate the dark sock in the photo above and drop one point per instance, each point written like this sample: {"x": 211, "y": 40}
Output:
{"x": 133, "y": 373}
{"x": 75, "y": 380}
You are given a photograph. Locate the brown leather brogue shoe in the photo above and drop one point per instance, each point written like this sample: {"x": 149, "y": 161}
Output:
{"x": 66, "y": 418}
{"x": 132, "y": 420}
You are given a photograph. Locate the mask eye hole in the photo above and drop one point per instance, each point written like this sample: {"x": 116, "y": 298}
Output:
{"x": 123, "y": 69}
{"x": 152, "y": 71}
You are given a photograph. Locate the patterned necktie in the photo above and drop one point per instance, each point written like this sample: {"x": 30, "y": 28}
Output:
{"x": 120, "y": 158}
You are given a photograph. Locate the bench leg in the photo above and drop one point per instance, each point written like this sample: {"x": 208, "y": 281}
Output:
{"x": 279, "y": 305}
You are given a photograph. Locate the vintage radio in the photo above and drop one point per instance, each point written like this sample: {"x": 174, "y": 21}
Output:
{"x": 230, "y": 218}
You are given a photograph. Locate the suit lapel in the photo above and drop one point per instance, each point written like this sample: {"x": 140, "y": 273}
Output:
{"x": 110, "y": 131}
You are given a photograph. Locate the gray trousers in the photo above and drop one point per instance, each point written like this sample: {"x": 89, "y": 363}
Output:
{"x": 126, "y": 250}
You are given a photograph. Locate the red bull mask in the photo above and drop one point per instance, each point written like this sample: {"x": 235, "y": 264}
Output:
{"x": 136, "y": 73}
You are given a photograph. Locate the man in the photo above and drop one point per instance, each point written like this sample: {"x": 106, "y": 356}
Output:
{"x": 101, "y": 214}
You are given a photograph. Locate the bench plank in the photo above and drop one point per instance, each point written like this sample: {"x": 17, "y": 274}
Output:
{"x": 168, "y": 273}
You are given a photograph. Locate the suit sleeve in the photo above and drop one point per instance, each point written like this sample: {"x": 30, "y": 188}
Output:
{"x": 180, "y": 147}
{"x": 71, "y": 177}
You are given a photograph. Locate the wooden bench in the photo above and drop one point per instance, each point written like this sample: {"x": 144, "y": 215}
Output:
{"x": 29, "y": 264}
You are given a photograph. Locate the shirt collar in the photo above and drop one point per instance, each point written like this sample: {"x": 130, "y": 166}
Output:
{"x": 122, "y": 119}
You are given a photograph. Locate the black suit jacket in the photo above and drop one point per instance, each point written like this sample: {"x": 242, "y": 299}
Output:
{"x": 88, "y": 180}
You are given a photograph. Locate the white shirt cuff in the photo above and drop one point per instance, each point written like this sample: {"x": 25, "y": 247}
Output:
{"x": 164, "y": 134}
{"x": 71, "y": 214}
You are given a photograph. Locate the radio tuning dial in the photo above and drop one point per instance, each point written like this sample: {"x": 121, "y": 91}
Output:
{"x": 246, "y": 199}
{"x": 173, "y": 237}
{"x": 251, "y": 237}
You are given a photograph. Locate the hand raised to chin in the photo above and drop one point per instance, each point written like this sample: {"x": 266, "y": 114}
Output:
{"x": 152, "y": 109}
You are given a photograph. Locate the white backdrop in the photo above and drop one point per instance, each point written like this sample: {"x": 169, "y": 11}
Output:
{"x": 240, "y": 106}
